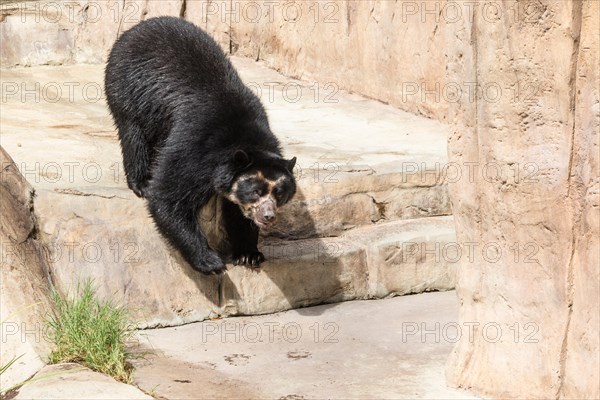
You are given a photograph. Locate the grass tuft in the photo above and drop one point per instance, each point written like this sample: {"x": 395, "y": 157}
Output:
{"x": 90, "y": 332}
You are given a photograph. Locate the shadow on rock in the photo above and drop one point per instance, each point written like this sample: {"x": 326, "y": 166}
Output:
{"x": 301, "y": 270}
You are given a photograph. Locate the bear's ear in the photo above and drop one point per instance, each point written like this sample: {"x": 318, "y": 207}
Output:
{"x": 291, "y": 164}
{"x": 240, "y": 157}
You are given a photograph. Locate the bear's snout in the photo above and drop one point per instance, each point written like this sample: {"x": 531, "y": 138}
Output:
{"x": 266, "y": 212}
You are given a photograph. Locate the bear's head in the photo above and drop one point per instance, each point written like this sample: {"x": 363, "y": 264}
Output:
{"x": 262, "y": 183}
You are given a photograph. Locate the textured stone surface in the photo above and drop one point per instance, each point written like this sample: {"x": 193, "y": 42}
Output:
{"x": 207, "y": 15}
{"x": 72, "y": 381}
{"x": 297, "y": 274}
{"x": 112, "y": 240}
{"x": 23, "y": 278}
{"x": 413, "y": 256}
{"x": 385, "y": 349}
{"x": 383, "y": 49}
{"x": 163, "y": 7}
{"x": 581, "y": 364}
{"x": 32, "y": 34}
{"x": 405, "y": 68}
{"x": 538, "y": 226}
{"x": 59, "y": 32}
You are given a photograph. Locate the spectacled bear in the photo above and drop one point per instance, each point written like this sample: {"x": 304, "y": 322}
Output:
{"x": 190, "y": 129}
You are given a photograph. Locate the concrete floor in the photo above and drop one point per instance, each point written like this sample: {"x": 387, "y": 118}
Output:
{"x": 358, "y": 349}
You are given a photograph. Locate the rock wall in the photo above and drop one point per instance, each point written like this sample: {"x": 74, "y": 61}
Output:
{"x": 23, "y": 278}
{"x": 530, "y": 211}
{"x": 580, "y": 359}
{"x": 68, "y": 32}
{"x": 387, "y": 50}
{"x": 328, "y": 42}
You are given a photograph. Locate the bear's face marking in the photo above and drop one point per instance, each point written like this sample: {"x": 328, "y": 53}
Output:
{"x": 259, "y": 193}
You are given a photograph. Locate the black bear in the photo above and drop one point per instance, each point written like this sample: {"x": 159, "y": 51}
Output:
{"x": 190, "y": 129}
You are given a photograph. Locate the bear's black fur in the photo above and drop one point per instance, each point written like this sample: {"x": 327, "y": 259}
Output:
{"x": 190, "y": 129}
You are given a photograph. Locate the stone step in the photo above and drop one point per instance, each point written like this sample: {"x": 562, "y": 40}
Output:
{"x": 390, "y": 259}
{"x": 129, "y": 262}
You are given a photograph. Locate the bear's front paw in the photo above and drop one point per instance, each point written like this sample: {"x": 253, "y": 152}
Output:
{"x": 211, "y": 263}
{"x": 248, "y": 258}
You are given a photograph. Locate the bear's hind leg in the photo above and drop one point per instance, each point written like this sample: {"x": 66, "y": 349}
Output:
{"x": 243, "y": 236}
{"x": 136, "y": 157}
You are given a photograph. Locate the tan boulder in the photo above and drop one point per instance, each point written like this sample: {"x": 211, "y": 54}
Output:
{"x": 24, "y": 279}
{"x": 531, "y": 202}
{"x": 581, "y": 362}
{"x": 73, "y": 381}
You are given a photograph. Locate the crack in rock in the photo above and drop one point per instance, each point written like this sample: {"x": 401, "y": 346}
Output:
{"x": 76, "y": 192}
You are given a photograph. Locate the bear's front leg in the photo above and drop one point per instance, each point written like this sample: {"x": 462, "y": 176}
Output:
{"x": 243, "y": 236}
{"x": 177, "y": 222}
{"x": 175, "y": 195}
{"x": 174, "y": 199}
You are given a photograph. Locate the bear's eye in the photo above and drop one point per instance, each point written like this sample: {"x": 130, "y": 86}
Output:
{"x": 279, "y": 195}
{"x": 256, "y": 193}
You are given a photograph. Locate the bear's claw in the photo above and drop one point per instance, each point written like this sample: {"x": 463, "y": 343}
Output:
{"x": 250, "y": 259}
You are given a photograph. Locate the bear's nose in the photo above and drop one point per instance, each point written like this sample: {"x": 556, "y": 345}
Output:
{"x": 269, "y": 216}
